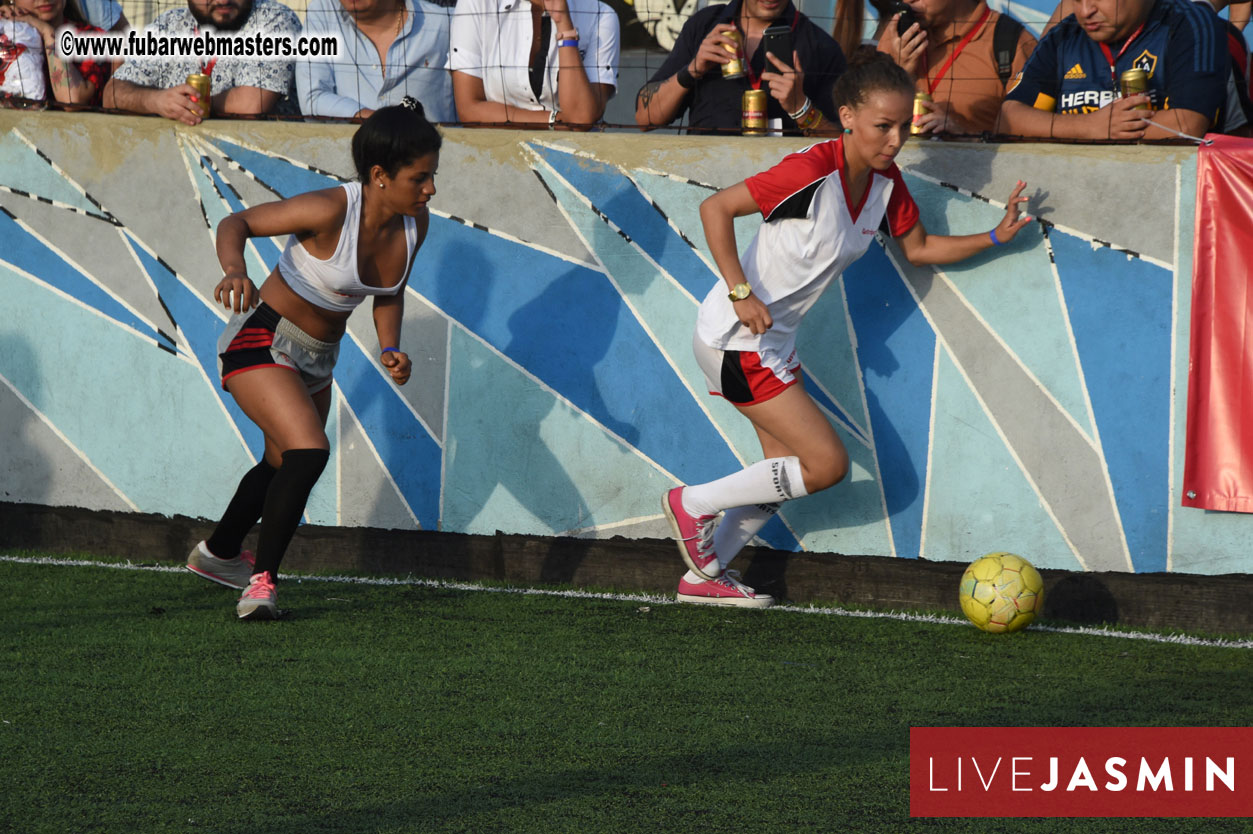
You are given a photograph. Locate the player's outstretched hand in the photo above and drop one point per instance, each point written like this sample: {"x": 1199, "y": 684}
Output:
{"x": 237, "y": 292}
{"x": 1011, "y": 223}
{"x": 754, "y": 314}
{"x": 398, "y": 365}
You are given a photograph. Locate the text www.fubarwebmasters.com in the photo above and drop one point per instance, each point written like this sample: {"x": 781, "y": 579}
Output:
{"x": 135, "y": 43}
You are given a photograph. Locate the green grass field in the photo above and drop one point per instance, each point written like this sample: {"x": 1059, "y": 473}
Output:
{"x": 134, "y": 701}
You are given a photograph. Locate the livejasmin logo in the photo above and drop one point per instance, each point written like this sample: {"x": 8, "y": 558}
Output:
{"x": 1150, "y": 778}
{"x": 1081, "y": 771}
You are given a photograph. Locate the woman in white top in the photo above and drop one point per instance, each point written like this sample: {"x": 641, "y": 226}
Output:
{"x": 821, "y": 209}
{"x": 346, "y": 243}
{"x": 533, "y": 61}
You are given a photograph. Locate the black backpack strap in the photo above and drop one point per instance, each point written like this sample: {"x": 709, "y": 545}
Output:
{"x": 1005, "y": 45}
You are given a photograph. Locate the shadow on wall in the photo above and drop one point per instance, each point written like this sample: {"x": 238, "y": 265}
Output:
{"x": 531, "y": 329}
{"x": 975, "y": 175}
{"x": 514, "y": 450}
{"x": 28, "y": 475}
{"x": 1080, "y": 598}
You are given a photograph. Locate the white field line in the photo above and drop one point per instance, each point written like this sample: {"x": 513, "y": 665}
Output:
{"x": 652, "y": 599}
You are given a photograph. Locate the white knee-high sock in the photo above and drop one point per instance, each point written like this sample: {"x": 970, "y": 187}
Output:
{"x": 737, "y": 528}
{"x": 765, "y": 482}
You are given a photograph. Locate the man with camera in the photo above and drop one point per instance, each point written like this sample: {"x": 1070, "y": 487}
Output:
{"x": 767, "y": 45}
{"x": 963, "y": 56}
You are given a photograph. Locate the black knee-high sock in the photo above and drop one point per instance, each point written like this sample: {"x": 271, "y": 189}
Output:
{"x": 285, "y": 504}
{"x": 242, "y": 512}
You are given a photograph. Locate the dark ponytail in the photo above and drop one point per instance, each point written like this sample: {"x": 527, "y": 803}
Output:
{"x": 393, "y": 137}
{"x": 870, "y": 72}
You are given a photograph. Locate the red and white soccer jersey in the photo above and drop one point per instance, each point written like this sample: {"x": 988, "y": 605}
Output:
{"x": 811, "y": 234}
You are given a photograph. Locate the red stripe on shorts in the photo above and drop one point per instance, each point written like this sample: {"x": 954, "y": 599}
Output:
{"x": 762, "y": 381}
{"x": 251, "y": 337}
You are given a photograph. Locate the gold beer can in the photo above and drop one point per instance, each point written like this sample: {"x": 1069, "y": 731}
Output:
{"x": 919, "y": 110}
{"x": 735, "y": 68}
{"x": 1133, "y": 82}
{"x": 753, "y": 113}
{"x": 203, "y": 85}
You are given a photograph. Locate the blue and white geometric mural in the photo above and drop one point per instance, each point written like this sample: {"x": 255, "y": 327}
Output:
{"x": 998, "y": 404}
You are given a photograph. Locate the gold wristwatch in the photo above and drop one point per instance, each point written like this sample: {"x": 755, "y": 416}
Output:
{"x": 740, "y": 292}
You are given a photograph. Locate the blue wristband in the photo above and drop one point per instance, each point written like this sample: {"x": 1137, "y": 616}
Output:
{"x": 568, "y": 42}
{"x": 995, "y": 242}
{"x": 390, "y": 350}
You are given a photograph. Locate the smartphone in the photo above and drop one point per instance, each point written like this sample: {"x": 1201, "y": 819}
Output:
{"x": 777, "y": 40}
{"x": 908, "y": 16}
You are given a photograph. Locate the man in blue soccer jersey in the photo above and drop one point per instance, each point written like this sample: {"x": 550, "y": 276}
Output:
{"x": 1069, "y": 87}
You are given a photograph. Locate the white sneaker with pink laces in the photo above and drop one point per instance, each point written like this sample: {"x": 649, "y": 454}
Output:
{"x": 725, "y": 590}
{"x": 259, "y": 601}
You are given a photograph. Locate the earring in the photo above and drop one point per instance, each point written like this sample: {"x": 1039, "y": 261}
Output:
{"x": 848, "y": 130}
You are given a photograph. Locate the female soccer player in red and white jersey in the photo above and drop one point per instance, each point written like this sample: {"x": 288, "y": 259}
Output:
{"x": 821, "y": 209}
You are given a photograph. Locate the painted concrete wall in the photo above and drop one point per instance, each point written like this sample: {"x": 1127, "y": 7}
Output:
{"x": 1027, "y": 400}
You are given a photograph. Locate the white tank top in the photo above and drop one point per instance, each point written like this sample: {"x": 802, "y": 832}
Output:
{"x": 334, "y": 284}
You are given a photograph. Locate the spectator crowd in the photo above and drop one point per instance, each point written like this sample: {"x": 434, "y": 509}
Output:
{"x": 1101, "y": 70}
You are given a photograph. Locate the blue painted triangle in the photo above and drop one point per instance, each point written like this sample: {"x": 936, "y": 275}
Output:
{"x": 1126, "y": 364}
{"x": 896, "y": 353}
{"x": 614, "y": 195}
{"x": 266, "y": 247}
{"x": 410, "y": 455}
{"x": 680, "y": 201}
{"x": 776, "y": 534}
{"x": 558, "y": 482}
{"x": 979, "y": 500}
{"x": 1013, "y": 290}
{"x": 201, "y": 328}
{"x": 25, "y": 169}
{"x": 26, "y": 252}
{"x": 838, "y": 413}
{"x": 593, "y": 352}
{"x": 280, "y": 175}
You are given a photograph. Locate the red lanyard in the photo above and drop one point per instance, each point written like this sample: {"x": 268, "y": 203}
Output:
{"x": 755, "y": 80}
{"x": 931, "y": 85}
{"x": 1109, "y": 55}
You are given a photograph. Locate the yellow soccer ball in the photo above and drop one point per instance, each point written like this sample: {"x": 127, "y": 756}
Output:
{"x": 1001, "y": 592}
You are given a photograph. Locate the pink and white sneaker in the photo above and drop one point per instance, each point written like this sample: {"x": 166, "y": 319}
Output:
{"x": 233, "y": 573}
{"x": 259, "y": 601}
{"x": 693, "y": 534}
{"x": 725, "y": 590}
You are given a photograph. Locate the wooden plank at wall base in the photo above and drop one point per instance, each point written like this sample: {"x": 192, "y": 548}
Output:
{"x": 1211, "y": 604}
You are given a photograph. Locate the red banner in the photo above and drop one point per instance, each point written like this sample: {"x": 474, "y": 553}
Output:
{"x": 1081, "y": 771}
{"x": 1218, "y": 460}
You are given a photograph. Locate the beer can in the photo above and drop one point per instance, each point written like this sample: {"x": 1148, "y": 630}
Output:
{"x": 753, "y": 113}
{"x": 919, "y": 110}
{"x": 203, "y": 86}
{"x": 1132, "y": 82}
{"x": 734, "y": 68}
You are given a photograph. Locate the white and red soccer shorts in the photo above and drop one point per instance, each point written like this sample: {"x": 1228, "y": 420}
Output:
{"x": 746, "y": 377}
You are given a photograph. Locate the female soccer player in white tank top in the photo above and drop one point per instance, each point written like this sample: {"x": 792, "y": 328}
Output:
{"x": 821, "y": 209}
{"x": 346, "y": 243}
